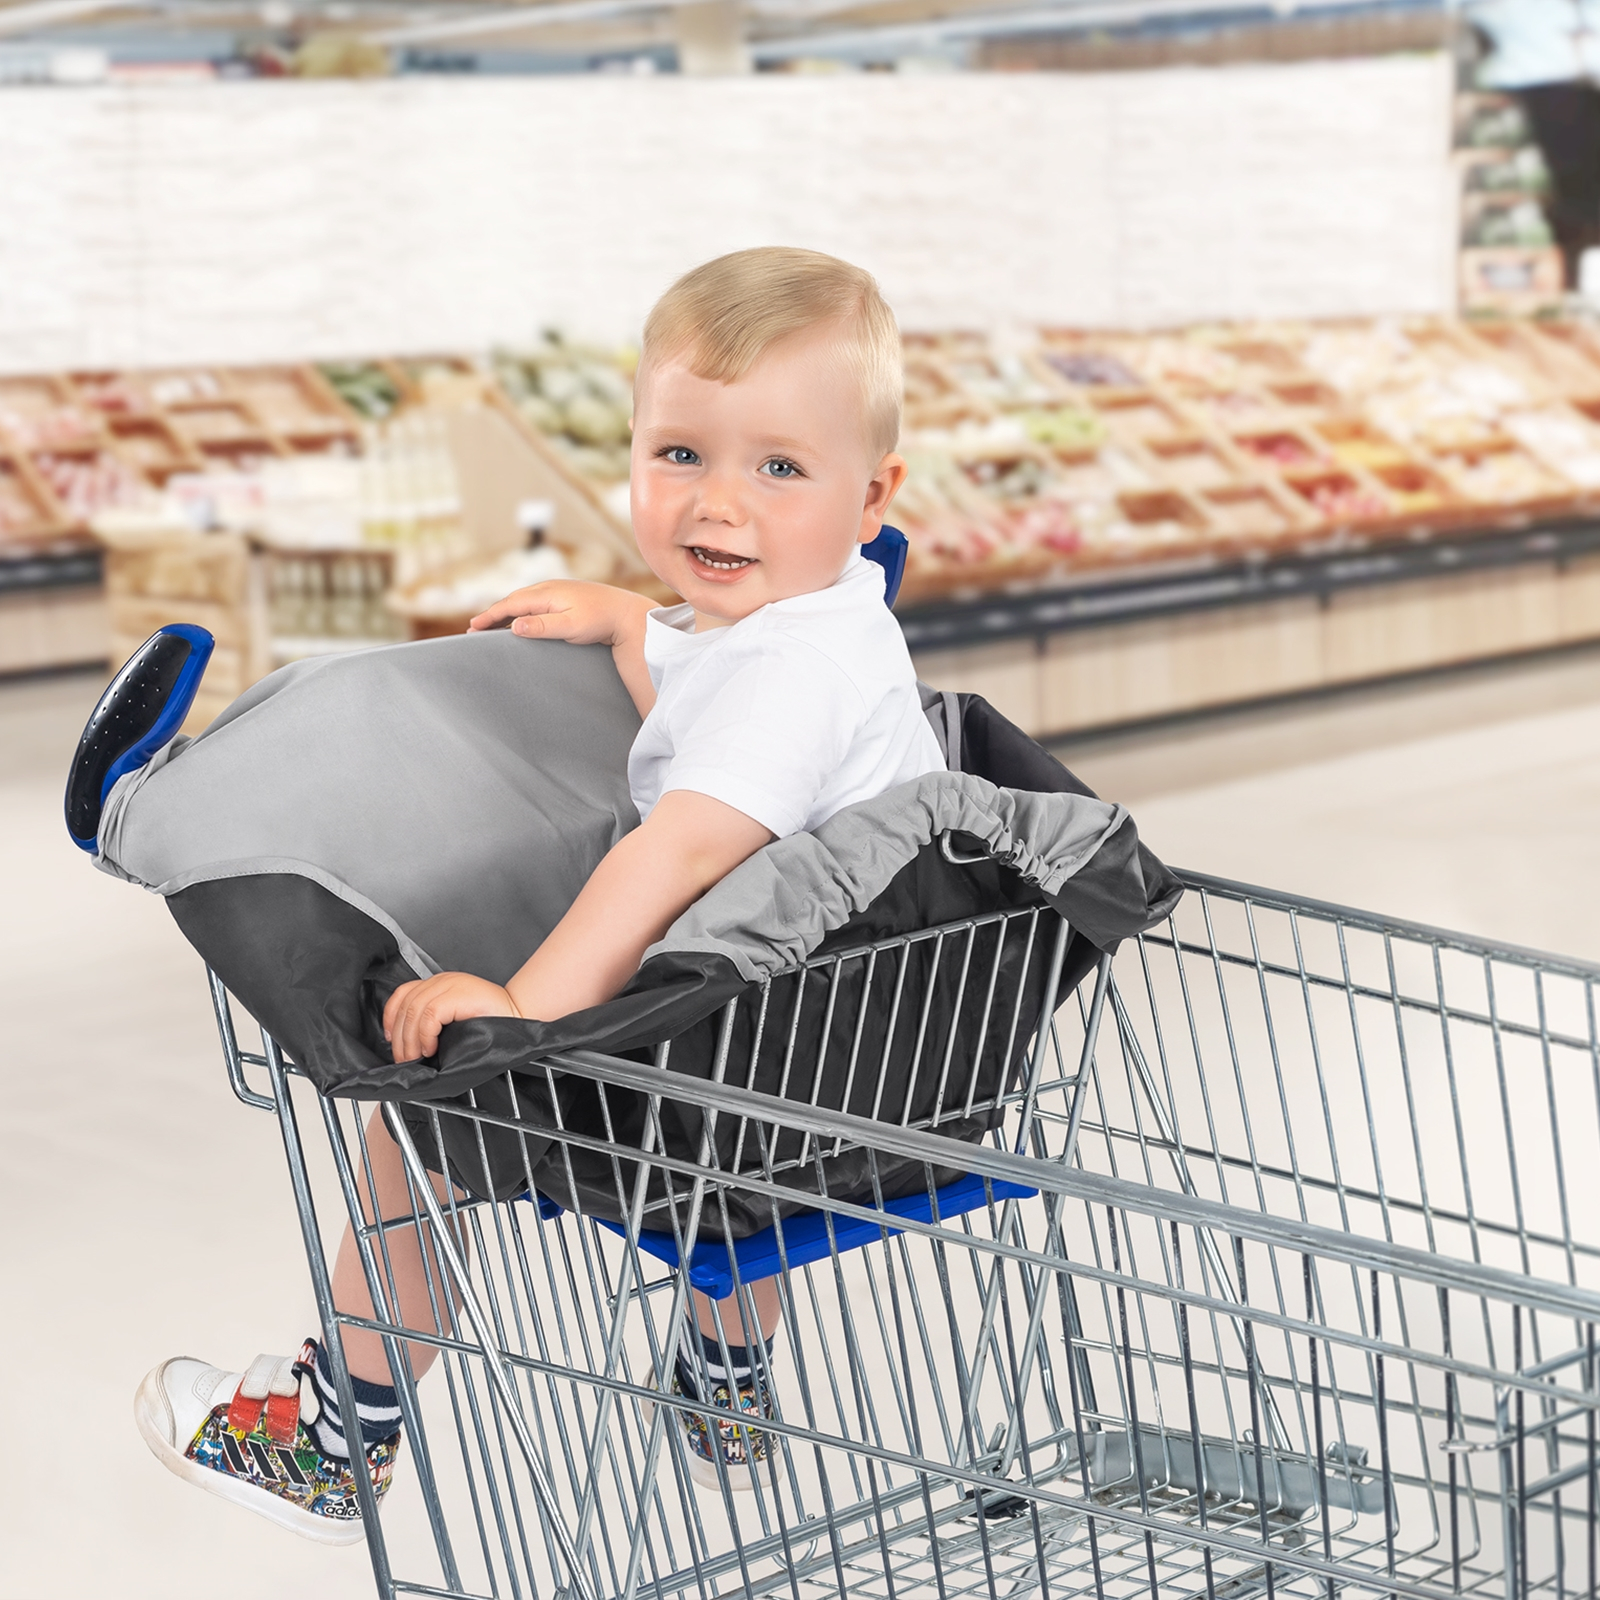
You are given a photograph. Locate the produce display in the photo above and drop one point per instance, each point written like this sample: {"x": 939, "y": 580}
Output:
{"x": 76, "y": 445}
{"x": 87, "y": 482}
{"x": 1047, "y": 458}
{"x": 579, "y": 398}
{"x": 1056, "y": 457}
{"x": 1090, "y": 451}
{"x": 1509, "y": 261}
{"x": 365, "y": 386}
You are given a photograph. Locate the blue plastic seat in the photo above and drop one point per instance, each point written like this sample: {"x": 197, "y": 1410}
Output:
{"x": 889, "y": 551}
{"x": 804, "y": 1237}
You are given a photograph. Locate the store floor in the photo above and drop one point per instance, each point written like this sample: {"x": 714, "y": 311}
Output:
{"x": 148, "y": 1212}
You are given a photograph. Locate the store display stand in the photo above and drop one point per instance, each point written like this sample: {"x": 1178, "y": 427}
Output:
{"x": 52, "y": 610}
{"x": 1205, "y": 635}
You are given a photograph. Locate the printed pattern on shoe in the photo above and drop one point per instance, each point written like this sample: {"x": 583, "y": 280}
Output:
{"x": 265, "y": 1441}
{"x": 736, "y": 1444}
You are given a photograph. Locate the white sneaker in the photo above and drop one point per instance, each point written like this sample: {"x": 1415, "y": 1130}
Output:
{"x": 246, "y": 1436}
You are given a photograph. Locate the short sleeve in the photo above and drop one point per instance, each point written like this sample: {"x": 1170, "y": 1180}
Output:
{"x": 771, "y": 736}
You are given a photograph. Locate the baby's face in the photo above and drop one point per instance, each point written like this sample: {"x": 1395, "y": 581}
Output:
{"x": 750, "y": 492}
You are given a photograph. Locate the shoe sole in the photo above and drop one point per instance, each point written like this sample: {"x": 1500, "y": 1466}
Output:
{"x": 154, "y": 1417}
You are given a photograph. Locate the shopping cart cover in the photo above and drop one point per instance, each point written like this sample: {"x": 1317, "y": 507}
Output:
{"x": 358, "y": 820}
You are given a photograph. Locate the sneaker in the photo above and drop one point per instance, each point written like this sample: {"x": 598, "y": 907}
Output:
{"x": 246, "y": 1436}
{"x": 710, "y": 1435}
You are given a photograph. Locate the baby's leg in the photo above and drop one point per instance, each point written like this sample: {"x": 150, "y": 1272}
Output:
{"x": 731, "y": 1313}
{"x": 404, "y": 1274}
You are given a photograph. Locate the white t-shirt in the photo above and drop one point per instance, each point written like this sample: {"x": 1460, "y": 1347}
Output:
{"x": 789, "y": 715}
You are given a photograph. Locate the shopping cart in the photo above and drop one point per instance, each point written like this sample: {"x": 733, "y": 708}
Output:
{"x": 1277, "y": 1272}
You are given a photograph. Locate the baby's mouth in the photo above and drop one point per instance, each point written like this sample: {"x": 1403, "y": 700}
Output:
{"x": 720, "y": 560}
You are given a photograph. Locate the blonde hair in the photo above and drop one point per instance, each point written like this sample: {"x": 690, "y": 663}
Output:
{"x": 728, "y": 313}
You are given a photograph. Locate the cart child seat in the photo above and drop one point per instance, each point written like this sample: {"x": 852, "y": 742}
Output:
{"x": 345, "y": 825}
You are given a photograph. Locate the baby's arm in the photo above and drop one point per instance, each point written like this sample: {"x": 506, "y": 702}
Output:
{"x": 688, "y": 842}
{"x": 582, "y": 613}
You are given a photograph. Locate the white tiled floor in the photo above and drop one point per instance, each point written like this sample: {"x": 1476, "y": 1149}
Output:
{"x": 1471, "y": 801}
{"x": 148, "y": 1212}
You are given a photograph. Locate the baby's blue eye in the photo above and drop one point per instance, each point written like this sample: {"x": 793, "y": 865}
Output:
{"x": 779, "y": 468}
{"x": 680, "y": 455}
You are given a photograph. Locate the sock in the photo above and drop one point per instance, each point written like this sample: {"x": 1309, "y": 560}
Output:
{"x": 707, "y": 1359}
{"x": 377, "y": 1410}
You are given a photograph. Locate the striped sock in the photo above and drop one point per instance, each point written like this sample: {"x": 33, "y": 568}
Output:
{"x": 707, "y": 1360}
{"x": 377, "y": 1409}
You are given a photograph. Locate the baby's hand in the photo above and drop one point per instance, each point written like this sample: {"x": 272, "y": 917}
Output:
{"x": 417, "y": 1011}
{"x": 563, "y": 608}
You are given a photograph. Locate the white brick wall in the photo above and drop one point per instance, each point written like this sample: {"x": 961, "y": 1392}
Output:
{"x": 267, "y": 220}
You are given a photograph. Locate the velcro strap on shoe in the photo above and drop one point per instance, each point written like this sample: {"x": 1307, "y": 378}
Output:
{"x": 283, "y": 1414}
{"x": 244, "y": 1413}
{"x": 270, "y": 1384}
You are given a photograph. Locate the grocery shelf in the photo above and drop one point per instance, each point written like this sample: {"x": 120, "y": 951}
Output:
{"x": 1205, "y": 585}
{"x": 50, "y": 569}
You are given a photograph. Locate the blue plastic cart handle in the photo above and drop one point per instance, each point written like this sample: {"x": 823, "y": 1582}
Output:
{"x": 143, "y": 680}
{"x": 805, "y": 1236}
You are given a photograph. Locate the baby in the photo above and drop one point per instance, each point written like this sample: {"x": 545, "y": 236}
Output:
{"x": 766, "y": 412}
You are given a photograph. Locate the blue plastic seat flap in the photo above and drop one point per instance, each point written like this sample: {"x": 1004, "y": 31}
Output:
{"x": 804, "y": 1236}
{"x": 889, "y": 551}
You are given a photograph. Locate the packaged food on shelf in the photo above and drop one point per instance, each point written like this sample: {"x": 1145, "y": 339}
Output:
{"x": 1412, "y": 490}
{"x": 366, "y": 387}
{"x": 579, "y": 398}
{"x": 1491, "y": 121}
{"x": 1232, "y": 409}
{"x": 1497, "y": 222}
{"x": 1511, "y": 278}
{"x": 39, "y": 414}
{"x": 1561, "y": 439}
{"x": 455, "y": 596}
{"x": 1500, "y": 474}
{"x": 1492, "y": 171}
{"x": 1068, "y": 427}
{"x": 1356, "y": 443}
{"x": 1174, "y": 359}
{"x": 182, "y": 388}
{"x": 328, "y": 600}
{"x": 1341, "y": 499}
{"x": 1092, "y": 369}
{"x": 117, "y": 394}
{"x": 1282, "y": 448}
{"x": 1004, "y": 380}
{"x": 87, "y": 482}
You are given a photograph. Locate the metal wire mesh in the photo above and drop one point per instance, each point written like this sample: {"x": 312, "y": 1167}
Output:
{"x": 1282, "y": 1279}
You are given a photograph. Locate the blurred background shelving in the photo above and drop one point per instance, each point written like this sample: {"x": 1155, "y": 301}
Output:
{"x": 1207, "y": 514}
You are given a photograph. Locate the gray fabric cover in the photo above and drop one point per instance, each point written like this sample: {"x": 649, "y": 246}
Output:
{"x": 459, "y": 791}
{"x": 357, "y": 820}
{"x": 772, "y": 911}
